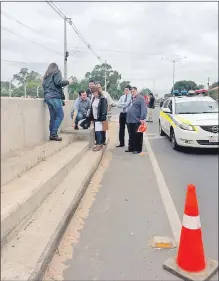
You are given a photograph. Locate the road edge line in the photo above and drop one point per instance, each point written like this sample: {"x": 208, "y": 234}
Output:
{"x": 169, "y": 206}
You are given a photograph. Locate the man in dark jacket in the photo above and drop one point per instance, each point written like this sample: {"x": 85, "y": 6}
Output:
{"x": 136, "y": 115}
{"x": 89, "y": 90}
{"x": 150, "y": 107}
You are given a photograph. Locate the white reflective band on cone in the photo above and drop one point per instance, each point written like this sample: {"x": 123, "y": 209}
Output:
{"x": 191, "y": 222}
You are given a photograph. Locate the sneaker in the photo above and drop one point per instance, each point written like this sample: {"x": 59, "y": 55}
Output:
{"x": 55, "y": 138}
{"x": 97, "y": 147}
{"x": 76, "y": 127}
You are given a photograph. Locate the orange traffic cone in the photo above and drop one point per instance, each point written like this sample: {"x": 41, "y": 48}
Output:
{"x": 191, "y": 252}
{"x": 190, "y": 263}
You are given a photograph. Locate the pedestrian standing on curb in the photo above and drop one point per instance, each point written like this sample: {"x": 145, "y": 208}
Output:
{"x": 150, "y": 108}
{"x": 109, "y": 106}
{"x": 98, "y": 114}
{"x": 89, "y": 90}
{"x": 124, "y": 102}
{"x": 136, "y": 115}
{"x": 54, "y": 97}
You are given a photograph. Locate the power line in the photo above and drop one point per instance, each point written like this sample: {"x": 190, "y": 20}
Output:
{"x": 27, "y": 26}
{"x": 22, "y": 62}
{"x": 32, "y": 41}
{"x": 60, "y": 13}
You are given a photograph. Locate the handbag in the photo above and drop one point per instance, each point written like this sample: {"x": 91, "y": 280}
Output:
{"x": 105, "y": 125}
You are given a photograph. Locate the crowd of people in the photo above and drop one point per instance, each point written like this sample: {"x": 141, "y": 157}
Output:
{"x": 94, "y": 106}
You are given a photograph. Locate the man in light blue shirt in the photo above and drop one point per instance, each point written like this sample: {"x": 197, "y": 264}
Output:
{"x": 124, "y": 103}
{"x": 81, "y": 108}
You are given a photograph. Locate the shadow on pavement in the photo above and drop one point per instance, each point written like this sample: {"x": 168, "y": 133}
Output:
{"x": 199, "y": 151}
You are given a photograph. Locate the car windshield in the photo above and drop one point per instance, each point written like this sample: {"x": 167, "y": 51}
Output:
{"x": 196, "y": 107}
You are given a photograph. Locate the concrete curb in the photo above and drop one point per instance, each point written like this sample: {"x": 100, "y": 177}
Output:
{"x": 21, "y": 258}
{"x": 26, "y": 206}
{"x": 54, "y": 242}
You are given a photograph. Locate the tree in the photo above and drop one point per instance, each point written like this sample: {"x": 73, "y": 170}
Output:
{"x": 112, "y": 76}
{"x": 214, "y": 85}
{"x": 184, "y": 85}
{"x": 124, "y": 84}
{"x": 145, "y": 91}
{"x": 29, "y": 82}
{"x": 199, "y": 87}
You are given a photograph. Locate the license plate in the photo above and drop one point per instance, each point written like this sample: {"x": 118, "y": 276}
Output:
{"x": 213, "y": 139}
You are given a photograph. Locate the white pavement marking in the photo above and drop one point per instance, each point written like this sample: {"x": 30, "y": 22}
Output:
{"x": 165, "y": 194}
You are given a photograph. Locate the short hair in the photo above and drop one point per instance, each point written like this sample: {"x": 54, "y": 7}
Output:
{"x": 98, "y": 82}
{"x": 134, "y": 88}
{"x": 91, "y": 81}
{"x": 128, "y": 87}
{"x": 95, "y": 89}
{"x": 81, "y": 92}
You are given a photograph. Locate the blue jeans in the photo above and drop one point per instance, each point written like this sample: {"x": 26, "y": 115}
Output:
{"x": 98, "y": 136}
{"x": 56, "y": 115}
{"x": 79, "y": 117}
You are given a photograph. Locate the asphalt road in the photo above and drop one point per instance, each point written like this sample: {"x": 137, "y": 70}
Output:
{"x": 109, "y": 236}
{"x": 199, "y": 167}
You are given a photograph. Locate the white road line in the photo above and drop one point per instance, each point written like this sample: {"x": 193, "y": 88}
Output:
{"x": 165, "y": 194}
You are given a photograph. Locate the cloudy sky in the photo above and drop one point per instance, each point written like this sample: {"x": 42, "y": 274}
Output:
{"x": 140, "y": 40}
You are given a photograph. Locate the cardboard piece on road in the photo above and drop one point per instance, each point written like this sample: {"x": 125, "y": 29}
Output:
{"x": 163, "y": 243}
{"x": 204, "y": 275}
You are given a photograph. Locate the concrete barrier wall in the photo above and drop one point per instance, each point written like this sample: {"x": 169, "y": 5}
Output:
{"x": 25, "y": 122}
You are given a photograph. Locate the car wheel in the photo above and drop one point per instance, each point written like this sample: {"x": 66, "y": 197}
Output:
{"x": 161, "y": 130}
{"x": 173, "y": 140}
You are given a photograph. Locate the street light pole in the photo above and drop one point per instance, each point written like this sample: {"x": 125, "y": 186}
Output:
{"x": 208, "y": 82}
{"x": 105, "y": 76}
{"x": 173, "y": 75}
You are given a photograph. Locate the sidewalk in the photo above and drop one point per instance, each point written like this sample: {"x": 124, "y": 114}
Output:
{"x": 108, "y": 238}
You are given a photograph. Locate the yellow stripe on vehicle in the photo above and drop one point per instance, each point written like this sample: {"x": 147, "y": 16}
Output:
{"x": 167, "y": 117}
{"x": 185, "y": 121}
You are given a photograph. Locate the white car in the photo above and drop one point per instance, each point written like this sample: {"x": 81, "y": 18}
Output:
{"x": 190, "y": 121}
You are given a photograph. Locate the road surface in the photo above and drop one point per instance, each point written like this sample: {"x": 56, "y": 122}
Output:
{"x": 122, "y": 210}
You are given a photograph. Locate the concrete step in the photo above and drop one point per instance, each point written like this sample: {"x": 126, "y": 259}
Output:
{"x": 80, "y": 134}
{"x": 27, "y": 255}
{"x": 14, "y": 164}
{"x": 20, "y": 197}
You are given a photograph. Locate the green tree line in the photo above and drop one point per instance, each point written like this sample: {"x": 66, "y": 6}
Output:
{"x": 31, "y": 83}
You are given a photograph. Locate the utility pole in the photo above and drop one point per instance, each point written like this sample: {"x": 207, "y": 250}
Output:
{"x": 25, "y": 89}
{"x": 65, "y": 58}
{"x": 105, "y": 77}
{"x": 10, "y": 88}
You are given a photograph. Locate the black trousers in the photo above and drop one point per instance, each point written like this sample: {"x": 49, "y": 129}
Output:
{"x": 122, "y": 123}
{"x": 135, "y": 139}
{"x": 103, "y": 136}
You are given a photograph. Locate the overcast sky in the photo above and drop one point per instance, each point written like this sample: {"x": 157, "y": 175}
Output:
{"x": 132, "y": 37}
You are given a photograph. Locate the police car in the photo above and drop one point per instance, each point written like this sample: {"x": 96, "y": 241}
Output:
{"x": 190, "y": 121}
